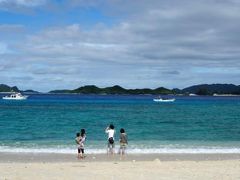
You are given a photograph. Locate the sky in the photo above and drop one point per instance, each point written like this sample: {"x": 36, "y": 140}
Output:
{"x": 65, "y": 44}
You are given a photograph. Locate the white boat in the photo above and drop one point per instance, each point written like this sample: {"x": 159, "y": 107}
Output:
{"x": 163, "y": 100}
{"x": 192, "y": 94}
{"x": 15, "y": 96}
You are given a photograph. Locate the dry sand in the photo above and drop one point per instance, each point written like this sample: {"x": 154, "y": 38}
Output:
{"x": 114, "y": 168}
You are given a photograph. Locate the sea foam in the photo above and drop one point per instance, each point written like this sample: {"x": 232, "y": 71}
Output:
{"x": 130, "y": 151}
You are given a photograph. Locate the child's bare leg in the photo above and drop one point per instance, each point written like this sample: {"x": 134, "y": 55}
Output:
{"x": 78, "y": 156}
{"x": 120, "y": 151}
{"x": 111, "y": 150}
{"x": 82, "y": 151}
{"x": 83, "y": 156}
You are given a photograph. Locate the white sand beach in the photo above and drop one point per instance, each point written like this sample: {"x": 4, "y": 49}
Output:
{"x": 95, "y": 167}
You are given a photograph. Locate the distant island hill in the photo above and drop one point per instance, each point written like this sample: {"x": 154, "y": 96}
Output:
{"x": 202, "y": 89}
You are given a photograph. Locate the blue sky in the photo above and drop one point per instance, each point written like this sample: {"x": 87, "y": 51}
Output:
{"x": 47, "y": 45}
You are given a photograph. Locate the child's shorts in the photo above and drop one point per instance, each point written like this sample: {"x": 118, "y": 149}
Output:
{"x": 111, "y": 145}
{"x": 80, "y": 150}
{"x": 123, "y": 145}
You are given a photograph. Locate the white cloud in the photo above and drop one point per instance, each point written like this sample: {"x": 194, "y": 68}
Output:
{"x": 160, "y": 44}
{"x": 21, "y": 6}
{"x": 30, "y": 2}
{"x": 27, "y": 3}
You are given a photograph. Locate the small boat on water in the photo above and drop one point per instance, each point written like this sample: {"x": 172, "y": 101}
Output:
{"x": 163, "y": 100}
{"x": 15, "y": 96}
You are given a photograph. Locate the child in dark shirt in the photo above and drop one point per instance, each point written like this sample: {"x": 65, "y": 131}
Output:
{"x": 123, "y": 141}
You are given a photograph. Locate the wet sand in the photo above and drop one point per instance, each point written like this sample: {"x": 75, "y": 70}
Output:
{"x": 51, "y": 157}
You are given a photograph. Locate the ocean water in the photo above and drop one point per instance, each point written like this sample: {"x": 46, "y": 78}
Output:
{"x": 48, "y": 123}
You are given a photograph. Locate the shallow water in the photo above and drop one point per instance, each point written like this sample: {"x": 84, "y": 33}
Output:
{"x": 48, "y": 123}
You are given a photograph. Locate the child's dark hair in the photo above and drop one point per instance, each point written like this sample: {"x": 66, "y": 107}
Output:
{"x": 78, "y": 134}
{"x": 82, "y": 132}
{"x": 111, "y": 126}
{"x": 122, "y": 130}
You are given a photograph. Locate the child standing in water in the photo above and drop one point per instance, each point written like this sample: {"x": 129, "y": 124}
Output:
{"x": 123, "y": 141}
{"x": 110, "y": 131}
{"x": 80, "y": 139}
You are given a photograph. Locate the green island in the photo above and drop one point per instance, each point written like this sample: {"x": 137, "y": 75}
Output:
{"x": 202, "y": 89}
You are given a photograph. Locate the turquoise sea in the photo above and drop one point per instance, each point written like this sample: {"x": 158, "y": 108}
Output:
{"x": 48, "y": 123}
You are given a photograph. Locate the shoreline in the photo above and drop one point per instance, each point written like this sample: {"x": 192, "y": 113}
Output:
{"x": 54, "y": 157}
